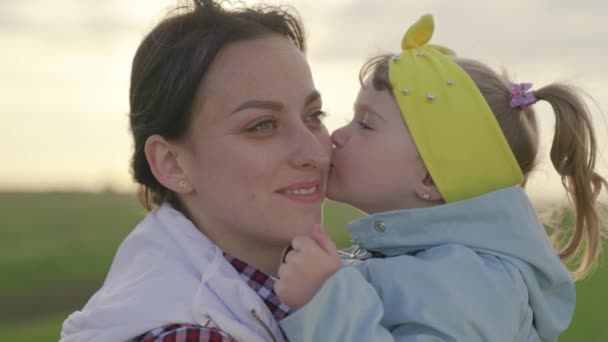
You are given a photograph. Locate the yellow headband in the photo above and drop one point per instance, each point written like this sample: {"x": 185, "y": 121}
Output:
{"x": 456, "y": 133}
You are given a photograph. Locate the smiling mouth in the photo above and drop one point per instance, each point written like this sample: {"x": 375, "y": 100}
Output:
{"x": 304, "y": 192}
{"x": 307, "y": 191}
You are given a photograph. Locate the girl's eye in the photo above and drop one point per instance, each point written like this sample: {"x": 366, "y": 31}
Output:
{"x": 364, "y": 122}
{"x": 264, "y": 125}
{"x": 364, "y": 125}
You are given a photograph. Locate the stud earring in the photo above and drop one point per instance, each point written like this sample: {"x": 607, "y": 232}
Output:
{"x": 426, "y": 196}
{"x": 182, "y": 184}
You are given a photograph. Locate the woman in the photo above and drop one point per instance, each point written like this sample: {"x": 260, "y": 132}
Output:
{"x": 232, "y": 158}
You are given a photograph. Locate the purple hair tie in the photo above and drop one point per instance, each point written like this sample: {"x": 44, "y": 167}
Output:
{"x": 520, "y": 95}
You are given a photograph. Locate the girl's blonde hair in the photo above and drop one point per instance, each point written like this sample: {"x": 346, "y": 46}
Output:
{"x": 573, "y": 150}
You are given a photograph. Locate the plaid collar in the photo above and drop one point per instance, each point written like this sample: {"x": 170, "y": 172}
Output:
{"x": 262, "y": 284}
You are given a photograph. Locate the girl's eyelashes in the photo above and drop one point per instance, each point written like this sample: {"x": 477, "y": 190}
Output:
{"x": 365, "y": 122}
{"x": 363, "y": 125}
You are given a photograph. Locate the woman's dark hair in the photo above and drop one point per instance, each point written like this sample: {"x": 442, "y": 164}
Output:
{"x": 170, "y": 63}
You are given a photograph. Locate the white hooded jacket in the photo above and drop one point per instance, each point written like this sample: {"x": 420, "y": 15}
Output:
{"x": 166, "y": 271}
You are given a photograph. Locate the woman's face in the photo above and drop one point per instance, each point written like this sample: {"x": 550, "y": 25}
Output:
{"x": 259, "y": 152}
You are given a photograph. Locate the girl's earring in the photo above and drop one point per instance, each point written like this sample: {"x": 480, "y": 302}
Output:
{"x": 426, "y": 195}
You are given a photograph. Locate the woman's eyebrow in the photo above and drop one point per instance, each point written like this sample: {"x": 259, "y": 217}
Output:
{"x": 312, "y": 97}
{"x": 273, "y": 105}
{"x": 261, "y": 104}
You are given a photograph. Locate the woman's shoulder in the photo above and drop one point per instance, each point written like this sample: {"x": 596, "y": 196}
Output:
{"x": 185, "y": 333}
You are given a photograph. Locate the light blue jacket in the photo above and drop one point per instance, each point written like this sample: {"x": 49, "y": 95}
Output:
{"x": 476, "y": 270}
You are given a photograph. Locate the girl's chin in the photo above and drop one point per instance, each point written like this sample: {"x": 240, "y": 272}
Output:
{"x": 331, "y": 193}
{"x": 335, "y": 191}
{"x": 335, "y": 195}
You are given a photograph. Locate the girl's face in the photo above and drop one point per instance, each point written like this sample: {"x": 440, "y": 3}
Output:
{"x": 259, "y": 154}
{"x": 375, "y": 164}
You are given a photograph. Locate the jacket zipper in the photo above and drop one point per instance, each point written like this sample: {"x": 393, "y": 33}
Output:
{"x": 255, "y": 315}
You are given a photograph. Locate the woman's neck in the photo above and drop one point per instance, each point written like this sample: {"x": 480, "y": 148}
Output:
{"x": 262, "y": 255}
{"x": 264, "y": 258}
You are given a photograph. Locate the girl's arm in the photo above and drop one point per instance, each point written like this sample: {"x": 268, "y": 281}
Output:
{"x": 447, "y": 294}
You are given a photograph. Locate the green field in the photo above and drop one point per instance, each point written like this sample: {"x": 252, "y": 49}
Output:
{"x": 55, "y": 249}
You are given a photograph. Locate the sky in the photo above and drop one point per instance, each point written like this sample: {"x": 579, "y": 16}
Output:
{"x": 65, "y": 65}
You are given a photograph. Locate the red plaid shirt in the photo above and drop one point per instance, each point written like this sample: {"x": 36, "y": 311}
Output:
{"x": 260, "y": 282}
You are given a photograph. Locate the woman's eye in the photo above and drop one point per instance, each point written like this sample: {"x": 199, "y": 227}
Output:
{"x": 317, "y": 116}
{"x": 320, "y": 115}
{"x": 315, "y": 120}
{"x": 263, "y": 125}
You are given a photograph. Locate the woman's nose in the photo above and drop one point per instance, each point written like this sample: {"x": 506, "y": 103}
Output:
{"x": 312, "y": 151}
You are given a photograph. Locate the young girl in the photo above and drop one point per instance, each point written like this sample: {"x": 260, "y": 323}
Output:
{"x": 453, "y": 248}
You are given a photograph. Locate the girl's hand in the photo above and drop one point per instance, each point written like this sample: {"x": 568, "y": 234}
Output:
{"x": 311, "y": 261}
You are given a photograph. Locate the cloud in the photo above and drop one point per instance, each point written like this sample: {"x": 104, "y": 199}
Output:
{"x": 76, "y": 22}
{"x": 515, "y": 29}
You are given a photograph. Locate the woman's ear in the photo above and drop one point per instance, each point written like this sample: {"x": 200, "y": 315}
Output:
{"x": 163, "y": 158}
{"x": 427, "y": 190}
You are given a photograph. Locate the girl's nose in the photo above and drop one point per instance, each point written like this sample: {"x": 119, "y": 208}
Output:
{"x": 338, "y": 137}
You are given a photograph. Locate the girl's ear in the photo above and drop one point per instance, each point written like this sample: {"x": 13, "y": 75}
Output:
{"x": 427, "y": 191}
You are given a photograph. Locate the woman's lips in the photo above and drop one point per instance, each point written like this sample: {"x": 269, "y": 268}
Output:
{"x": 307, "y": 192}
